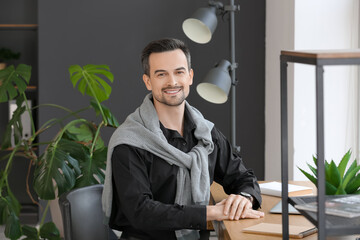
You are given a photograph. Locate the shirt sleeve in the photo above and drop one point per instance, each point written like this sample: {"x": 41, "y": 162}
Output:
{"x": 133, "y": 188}
{"x": 230, "y": 170}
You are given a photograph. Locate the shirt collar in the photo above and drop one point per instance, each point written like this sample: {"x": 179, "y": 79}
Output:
{"x": 189, "y": 126}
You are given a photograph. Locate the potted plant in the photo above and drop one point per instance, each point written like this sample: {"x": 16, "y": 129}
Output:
{"x": 5, "y": 55}
{"x": 75, "y": 157}
{"x": 339, "y": 179}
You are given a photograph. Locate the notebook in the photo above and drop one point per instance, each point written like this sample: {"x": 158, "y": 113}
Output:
{"x": 275, "y": 229}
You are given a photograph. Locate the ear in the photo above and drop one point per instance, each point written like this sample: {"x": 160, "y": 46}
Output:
{"x": 147, "y": 82}
{"x": 191, "y": 76}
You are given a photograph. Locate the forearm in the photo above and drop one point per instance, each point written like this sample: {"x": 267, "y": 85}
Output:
{"x": 153, "y": 215}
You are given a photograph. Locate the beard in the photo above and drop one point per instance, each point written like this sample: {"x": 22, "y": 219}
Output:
{"x": 175, "y": 100}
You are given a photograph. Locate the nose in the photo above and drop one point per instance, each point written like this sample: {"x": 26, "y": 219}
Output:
{"x": 172, "y": 81}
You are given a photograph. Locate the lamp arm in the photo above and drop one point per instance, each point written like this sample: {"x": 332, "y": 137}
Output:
{"x": 232, "y": 8}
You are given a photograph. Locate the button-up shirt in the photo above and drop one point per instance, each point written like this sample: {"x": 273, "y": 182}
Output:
{"x": 144, "y": 185}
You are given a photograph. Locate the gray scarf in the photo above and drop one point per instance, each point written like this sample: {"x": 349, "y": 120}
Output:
{"x": 142, "y": 129}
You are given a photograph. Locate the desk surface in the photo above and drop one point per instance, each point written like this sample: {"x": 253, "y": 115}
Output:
{"x": 233, "y": 229}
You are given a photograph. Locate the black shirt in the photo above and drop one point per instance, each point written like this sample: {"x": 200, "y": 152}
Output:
{"x": 144, "y": 186}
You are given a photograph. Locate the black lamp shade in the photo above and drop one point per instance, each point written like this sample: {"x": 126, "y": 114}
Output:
{"x": 202, "y": 24}
{"x": 217, "y": 83}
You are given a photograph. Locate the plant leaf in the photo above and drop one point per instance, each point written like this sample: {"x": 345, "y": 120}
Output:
{"x": 13, "y": 81}
{"x": 353, "y": 185}
{"x": 334, "y": 175}
{"x": 31, "y": 233}
{"x": 350, "y": 175}
{"x": 92, "y": 168}
{"x": 309, "y": 176}
{"x": 13, "y": 228}
{"x": 343, "y": 163}
{"x": 88, "y": 80}
{"x": 49, "y": 231}
{"x": 55, "y": 165}
{"x": 84, "y": 133}
{"x": 340, "y": 191}
{"x": 352, "y": 167}
{"x": 111, "y": 119}
{"x": 14, "y": 127}
{"x": 330, "y": 189}
{"x": 312, "y": 169}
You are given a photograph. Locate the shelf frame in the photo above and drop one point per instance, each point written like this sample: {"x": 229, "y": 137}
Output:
{"x": 318, "y": 58}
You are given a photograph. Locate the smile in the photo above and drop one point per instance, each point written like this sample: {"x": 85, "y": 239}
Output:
{"x": 172, "y": 91}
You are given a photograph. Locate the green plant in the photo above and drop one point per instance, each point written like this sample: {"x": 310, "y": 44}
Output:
{"x": 75, "y": 157}
{"x": 6, "y": 54}
{"x": 338, "y": 180}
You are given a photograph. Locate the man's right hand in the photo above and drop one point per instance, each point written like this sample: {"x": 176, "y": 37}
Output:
{"x": 233, "y": 208}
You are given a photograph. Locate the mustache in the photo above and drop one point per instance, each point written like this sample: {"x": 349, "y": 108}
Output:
{"x": 171, "y": 88}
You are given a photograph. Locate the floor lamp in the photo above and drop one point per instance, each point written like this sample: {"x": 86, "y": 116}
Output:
{"x": 219, "y": 80}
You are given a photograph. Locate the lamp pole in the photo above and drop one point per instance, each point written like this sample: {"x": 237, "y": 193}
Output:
{"x": 232, "y": 8}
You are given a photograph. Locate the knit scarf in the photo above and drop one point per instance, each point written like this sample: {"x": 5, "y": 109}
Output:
{"x": 141, "y": 129}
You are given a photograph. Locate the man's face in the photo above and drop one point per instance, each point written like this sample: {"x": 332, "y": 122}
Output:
{"x": 169, "y": 78}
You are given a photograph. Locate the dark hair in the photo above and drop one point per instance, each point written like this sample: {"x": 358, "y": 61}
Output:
{"x": 163, "y": 45}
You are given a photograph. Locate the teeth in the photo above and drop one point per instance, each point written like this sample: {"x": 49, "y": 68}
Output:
{"x": 172, "y": 91}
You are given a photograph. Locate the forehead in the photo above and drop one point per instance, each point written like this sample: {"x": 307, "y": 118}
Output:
{"x": 168, "y": 60}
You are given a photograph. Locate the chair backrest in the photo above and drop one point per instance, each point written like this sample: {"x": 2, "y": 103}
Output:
{"x": 82, "y": 214}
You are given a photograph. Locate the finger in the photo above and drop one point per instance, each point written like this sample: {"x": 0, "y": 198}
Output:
{"x": 237, "y": 206}
{"x": 240, "y": 213}
{"x": 228, "y": 203}
{"x": 221, "y": 202}
{"x": 250, "y": 213}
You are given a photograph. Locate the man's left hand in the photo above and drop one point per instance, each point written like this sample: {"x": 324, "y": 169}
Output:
{"x": 237, "y": 206}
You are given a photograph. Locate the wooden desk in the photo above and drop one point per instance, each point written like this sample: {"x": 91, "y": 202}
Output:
{"x": 228, "y": 229}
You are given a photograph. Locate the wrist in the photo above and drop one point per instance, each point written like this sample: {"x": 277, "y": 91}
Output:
{"x": 247, "y": 196}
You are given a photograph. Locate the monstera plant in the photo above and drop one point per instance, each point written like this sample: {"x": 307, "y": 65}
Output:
{"x": 339, "y": 179}
{"x": 75, "y": 157}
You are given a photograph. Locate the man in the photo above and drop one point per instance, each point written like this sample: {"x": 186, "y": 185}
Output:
{"x": 163, "y": 158}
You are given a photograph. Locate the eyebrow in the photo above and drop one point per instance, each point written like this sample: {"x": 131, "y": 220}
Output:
{"x": 161, "y": 70}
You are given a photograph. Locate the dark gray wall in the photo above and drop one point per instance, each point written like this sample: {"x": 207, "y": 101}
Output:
{"x": 114, "y": 32}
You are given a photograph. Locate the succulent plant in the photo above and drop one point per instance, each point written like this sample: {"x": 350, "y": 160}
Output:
{"x": 339, "y": 180}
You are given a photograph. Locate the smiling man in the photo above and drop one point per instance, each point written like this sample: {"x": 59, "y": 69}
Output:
{"x": 164, "y": 157}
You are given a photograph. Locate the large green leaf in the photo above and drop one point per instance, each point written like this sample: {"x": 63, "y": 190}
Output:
{"x": 55, "y": 165}
{"x": 343, "y": 163}
{"x": 92, "y": 168}
{"x": 9, "y": 205}
{"x": 313, "y": 170}
{"x": 330, "y": 189}
{"x": 31, "y": 233}
{"x": 75, "y": 149}
{"x": 110, "y": 118}
{"x": 353, "y": 185}
{"x": 50, "y": 231}
{"x": 309, "y": 176}
{"x": 335, "y": 178}
{"x": 350, "y": 169}
{"x": 14, "y": 127}
{"x": 84, "y": 133}
{"x": 88, "y": 80}
{"x": 350, "y": 176}
{"x": 13, "y": 228}
{"x": 14, "y": 81}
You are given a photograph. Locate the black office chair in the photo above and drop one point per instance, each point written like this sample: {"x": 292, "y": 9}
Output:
{"x": 82, "y": 214}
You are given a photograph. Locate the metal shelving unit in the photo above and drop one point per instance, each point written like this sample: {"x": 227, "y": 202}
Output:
{"x": 319, "y": 59}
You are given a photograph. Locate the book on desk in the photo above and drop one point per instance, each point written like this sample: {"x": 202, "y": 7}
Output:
{"x": 274, "y": 229}
{"x": 274, "y": 189}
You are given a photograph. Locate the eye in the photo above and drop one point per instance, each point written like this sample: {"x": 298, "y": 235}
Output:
{"x": 160, "y": 74}
{"x": 180, "y": 72}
